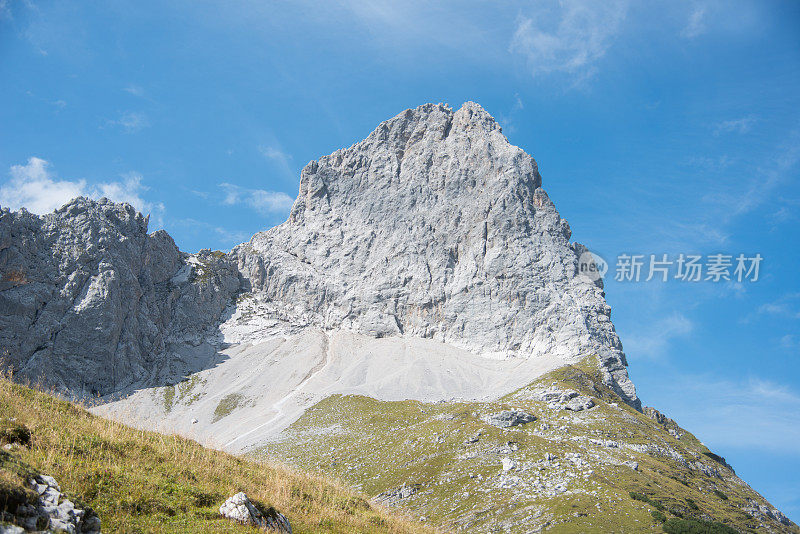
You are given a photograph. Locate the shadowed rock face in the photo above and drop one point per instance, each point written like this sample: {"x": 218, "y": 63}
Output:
{"x": 434, "y": 226}
{"x": 89, "y": 301}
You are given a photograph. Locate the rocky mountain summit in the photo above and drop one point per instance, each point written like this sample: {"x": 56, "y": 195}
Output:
{"x": 435, "y": 226}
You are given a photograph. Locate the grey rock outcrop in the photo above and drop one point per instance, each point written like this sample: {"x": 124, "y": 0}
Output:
{"x": 92, "y": 303}
{"x": 566, "y": 400}
{"x": 52, "y": 512}
{"x": 509, "y": 418}
{"x": 435, "y": 226}
{"x": 239, "y": 508}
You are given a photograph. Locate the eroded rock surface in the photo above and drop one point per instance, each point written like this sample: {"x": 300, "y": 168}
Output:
{"x": 52, "y": 512}
{"x": 92, "y": 303}
{"x": 239, "y": 508}
{"x": 435, "y": 226}
{"x": 509, "y": 418}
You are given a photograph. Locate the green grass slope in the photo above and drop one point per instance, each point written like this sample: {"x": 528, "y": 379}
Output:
{"x": 607, "y": 469}
{"x": 139, "y": 481}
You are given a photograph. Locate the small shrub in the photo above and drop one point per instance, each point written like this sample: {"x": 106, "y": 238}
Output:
{"x": 169, "y": 398}
{"x": 644, "y": 498}
{"x": 721, "y": 495}
{"x": 13, "y": 432}
{"x": 692, "y": 504}
{"x": 695, "y": 526}
{"x": 658, "y": 516}
{"x": 227, "y": 405}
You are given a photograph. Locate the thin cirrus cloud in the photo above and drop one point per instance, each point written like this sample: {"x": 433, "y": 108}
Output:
{"x": 34, "y": 187}
{"x": 264, "y": 202}
{"x": 741, "y": 126}
{"x": 134, "y": 90}
{"x": 569, "y": 38}
{"x": 737, "y": 414}
{"x": 654, "y": 342}
{"x": 130, "y": 122}
{"x": 696, "y": 25}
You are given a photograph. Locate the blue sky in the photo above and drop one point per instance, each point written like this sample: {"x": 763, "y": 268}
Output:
{"x": 670, "y": 127}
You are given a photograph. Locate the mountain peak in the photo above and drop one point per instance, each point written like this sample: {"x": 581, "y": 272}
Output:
{"x": 435, "y": 226}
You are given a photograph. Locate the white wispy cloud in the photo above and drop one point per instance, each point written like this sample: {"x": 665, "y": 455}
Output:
{"x": 791, "y": 342}
{"x": 130, "y": 122}
{"x": 696, "y": 25}
{"x": 264, "y": 202}
{"x": 569, "y": 37}
{"x": 653, "y": 341}
{"x": 134, "y": 90}
{"x": 742, "y": 414}
{"x": 275, "y": 154}
{"x": 34, "y": 187}
{"x": 742, "y": 125}
{"x": 788, "y": 306}
{"x": 5, "y": 11}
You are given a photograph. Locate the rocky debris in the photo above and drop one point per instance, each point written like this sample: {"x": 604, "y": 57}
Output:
{"x": 474, "y": 438}
{"x": 509, "y": 418}
{"x": 52, "y": 512}
{"x": 706, "y": 469}
{"x": 396, "y": 495}
{"x": 579, "y": 403}
{"x": 669, "y": 424}
{"x": 605, "y": 443}
{"x": 759, "y": 510}
{"x": 632, "y": 464}
{"x": 240, "y": 509}
{"x": 719, "y": 459}
{"x": 508, "y": 464}
{"x": 566, "y": 400}
{"x": 11, "y": 529}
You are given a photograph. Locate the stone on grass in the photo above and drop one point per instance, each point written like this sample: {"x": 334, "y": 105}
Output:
{"x": 239, "y": 508}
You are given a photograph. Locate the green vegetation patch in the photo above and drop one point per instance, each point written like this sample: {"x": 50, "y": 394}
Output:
{"x": 644, "y": 498}
{"x": 12, "y": 432}
{"x": 227, "y": 405}
{"x": 169, "y": 398}
{"x": 696, "y": 526}
{"x": 658, "y": 516}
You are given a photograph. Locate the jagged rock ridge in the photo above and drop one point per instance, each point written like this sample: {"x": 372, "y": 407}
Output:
{"x": 92, "y": 303}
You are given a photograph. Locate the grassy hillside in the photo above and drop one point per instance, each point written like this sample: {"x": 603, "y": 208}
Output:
{"x": 141, "y": 481}
{"x": 606, "y": 469}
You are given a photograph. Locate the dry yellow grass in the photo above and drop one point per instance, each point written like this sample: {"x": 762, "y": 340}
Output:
{"x": 140, "y": 481}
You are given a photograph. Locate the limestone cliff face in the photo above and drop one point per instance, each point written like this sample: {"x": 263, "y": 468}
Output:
{"x": 435, "y": 226}
{"x": 90, "y": 302}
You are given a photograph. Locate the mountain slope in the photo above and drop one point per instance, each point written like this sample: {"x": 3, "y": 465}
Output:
{"x": 608, "y": 468}
{"x": 145, "y": 482}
